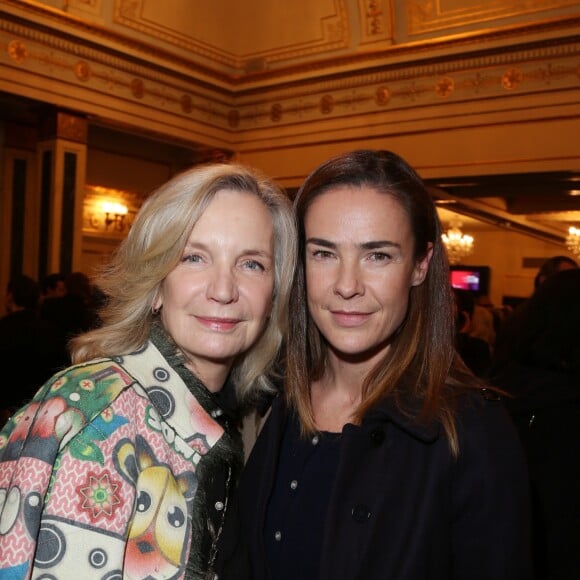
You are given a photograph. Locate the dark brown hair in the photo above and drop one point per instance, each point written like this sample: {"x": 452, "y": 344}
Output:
{"x": 421, "y": 371}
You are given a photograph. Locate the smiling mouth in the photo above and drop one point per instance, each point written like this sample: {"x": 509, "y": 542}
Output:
{"x": 218, "y": 324}
{"x": 349, "y": 319}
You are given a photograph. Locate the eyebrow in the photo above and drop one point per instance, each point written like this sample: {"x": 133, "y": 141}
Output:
{"x": 373, "y": 245}
{"x": 247, "y": 252}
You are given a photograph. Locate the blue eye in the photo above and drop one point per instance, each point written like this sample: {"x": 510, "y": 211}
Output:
{"x": 253, "y": 265}
{"x": 194, "y": 258}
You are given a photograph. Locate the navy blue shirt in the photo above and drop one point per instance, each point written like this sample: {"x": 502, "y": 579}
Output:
{"x": 296, "y": 512}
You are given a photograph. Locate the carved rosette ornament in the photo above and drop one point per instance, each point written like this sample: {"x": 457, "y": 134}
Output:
{"x": 17, "y": 51}
{"x": 83, "y": 71}
{"x": 444, "y": 87}
{"x": 382, "y": 96}
{"x": 512, "y": 79}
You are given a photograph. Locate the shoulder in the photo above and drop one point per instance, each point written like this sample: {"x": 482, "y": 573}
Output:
{"x": 67, "y": 402}
{"x": 481, "y": 409}
{"x": 487, "y": 435}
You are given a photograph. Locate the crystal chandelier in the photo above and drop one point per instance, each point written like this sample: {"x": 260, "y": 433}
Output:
{"x": 573, "y": 241}
{"x": 457, "y": 243}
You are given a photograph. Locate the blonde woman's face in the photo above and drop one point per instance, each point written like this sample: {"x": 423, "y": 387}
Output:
{"x": 217, "y": 300}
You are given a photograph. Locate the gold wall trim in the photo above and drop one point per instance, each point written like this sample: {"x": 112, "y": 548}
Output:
{"x": 436, "y": 15}
{"x": 384, "y": 82}
{"x": 551, "y": 67}
{"x": 70, "y": 63}
{"x": 63, "y": 25}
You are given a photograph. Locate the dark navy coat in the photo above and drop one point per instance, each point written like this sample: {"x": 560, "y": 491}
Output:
{"x": 401, "y": 506}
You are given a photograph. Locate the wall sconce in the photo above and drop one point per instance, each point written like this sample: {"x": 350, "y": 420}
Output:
{"x": 114, "y": 215}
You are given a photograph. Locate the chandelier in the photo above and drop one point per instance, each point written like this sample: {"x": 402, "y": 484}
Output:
{"x": 573, "y": 241}
{"x": 457, "y": 243}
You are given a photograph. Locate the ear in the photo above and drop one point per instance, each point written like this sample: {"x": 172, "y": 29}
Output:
{"x": 157, "y": 301}
{"x": 422, "y": 267}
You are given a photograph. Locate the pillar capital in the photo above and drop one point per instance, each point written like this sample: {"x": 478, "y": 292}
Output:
{"x": 64, "y": 125}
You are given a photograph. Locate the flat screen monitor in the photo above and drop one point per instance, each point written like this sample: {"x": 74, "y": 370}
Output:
{"x": 472, "y": 278}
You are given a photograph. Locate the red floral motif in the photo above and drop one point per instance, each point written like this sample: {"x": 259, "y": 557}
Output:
{"x": 99, "y": 495}
{"x": 107, "y": 415}
{"x": 87, "y": 385}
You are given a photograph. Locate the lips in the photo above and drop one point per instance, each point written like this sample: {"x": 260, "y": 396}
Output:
{"x": 218, "y": 324}
{"x": 349, "y": 319}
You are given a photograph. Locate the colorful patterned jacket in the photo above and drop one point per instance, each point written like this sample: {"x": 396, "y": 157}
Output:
{"x": 102, "y": 473}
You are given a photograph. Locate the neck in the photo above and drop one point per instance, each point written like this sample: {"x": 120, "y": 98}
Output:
{"x": 212, "y": 374}
{"x": 338, "y": 394}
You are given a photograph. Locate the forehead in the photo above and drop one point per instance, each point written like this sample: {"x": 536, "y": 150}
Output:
{"x": 346, "y": 207}
{"x": 235, "y": 211}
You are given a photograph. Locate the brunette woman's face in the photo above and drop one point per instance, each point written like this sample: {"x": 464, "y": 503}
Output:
{"x": 359, "y": 269}
{"x": 217, "y": 300}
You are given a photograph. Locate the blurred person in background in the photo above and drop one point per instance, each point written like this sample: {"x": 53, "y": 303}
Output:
{"x": 31, "y": 349}
{"x": 541, "y": 370}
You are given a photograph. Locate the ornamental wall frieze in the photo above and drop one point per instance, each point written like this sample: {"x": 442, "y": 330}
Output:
{"x": 527, "y": 72}
{"x": 71, "y": 65}
{"x": 113, "y": 59}
{"x": 376, "y": 88}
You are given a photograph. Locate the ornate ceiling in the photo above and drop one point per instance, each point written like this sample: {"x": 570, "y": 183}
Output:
{"x": 482, "y": 96}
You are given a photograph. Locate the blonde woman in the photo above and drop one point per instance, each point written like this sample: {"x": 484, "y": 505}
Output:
{"x": 122, "y": 465}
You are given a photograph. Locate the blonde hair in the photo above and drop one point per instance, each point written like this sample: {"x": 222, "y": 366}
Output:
{"x": 154, "y": 246}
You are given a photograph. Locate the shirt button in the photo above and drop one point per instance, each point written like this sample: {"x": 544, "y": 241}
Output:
{"x": 293, "y": 484}
{"x": 315, "y": 440}
{"x": 377, "y": 437}
{"x": 278, "y": 536}
{"x": 219, "y": 506}
{"x": 360, "y": 513}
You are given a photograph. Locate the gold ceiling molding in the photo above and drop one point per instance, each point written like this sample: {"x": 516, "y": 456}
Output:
{"x": 376, "y": 22}
{"x": 91, "y": 7}
{"x": 70, "y": 21}
{"x": 429, "y": 16}
{"x": 382, "y": 85}
{"x": 147, "y": 17}
{"x": 68, "y": 62}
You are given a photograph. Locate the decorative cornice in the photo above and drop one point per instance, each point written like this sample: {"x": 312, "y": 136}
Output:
{"x": 388, "y": 80}
{"x": 79, "y": 32}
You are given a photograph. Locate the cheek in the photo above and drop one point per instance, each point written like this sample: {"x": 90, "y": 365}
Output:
{"x": 316, "y": 281}
{"x": 261, "y": 298}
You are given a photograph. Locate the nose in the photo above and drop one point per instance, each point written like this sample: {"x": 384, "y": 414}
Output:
{"x": 348, "y": 281}
{"x": 222, "y": 286}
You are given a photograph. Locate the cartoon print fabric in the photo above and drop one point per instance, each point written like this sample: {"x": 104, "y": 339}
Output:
{"x": 98, "y": 473}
